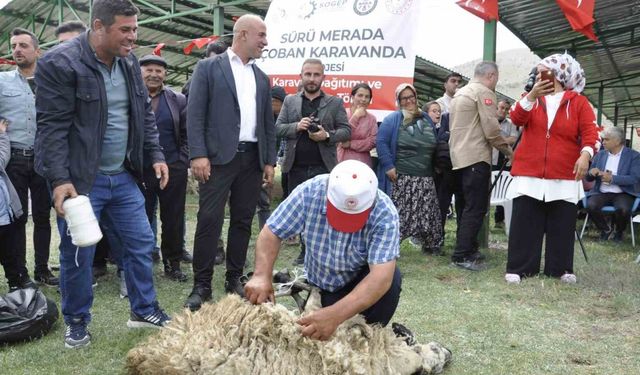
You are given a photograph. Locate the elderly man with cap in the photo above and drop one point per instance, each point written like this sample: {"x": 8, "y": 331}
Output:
{"x": 352, "y": 234}
{"x": 170, "y": 109}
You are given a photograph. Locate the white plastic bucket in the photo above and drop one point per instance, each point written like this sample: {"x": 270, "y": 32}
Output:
{"x": 81, "y": 221}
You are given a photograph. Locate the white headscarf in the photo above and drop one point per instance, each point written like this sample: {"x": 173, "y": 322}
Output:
{"x": 567, "y": 71}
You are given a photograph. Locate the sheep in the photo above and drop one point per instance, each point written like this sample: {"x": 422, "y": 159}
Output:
{"x": 233, "y": 337}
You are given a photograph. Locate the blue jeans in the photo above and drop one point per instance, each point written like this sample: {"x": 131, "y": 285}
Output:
{"x": 119, "y": 199}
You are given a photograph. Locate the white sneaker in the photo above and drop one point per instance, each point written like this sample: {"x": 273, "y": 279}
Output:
{"x": 512, "y": 278}
{"x": 568, "y": 278}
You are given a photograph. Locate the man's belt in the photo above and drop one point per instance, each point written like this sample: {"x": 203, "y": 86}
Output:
{"x": 247, "y": 146}
{"x": 22, "y": 152}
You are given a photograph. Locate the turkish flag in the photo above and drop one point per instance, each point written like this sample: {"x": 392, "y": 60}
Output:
{"x": 485, "y": 9}
{"x": 199, "y": 43}
{"x": 579, "y": 13}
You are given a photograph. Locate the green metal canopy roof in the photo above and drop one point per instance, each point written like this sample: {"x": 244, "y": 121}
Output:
{"x": 612, "y": 66}
{"x": 171, "y": 22}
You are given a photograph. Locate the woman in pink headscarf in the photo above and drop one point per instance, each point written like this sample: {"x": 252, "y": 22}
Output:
{"x": 364, "y": 127}
{"x": 558, "y": 140}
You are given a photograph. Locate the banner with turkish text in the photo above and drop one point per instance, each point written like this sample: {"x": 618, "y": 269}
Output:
{"x": 367, "y": 41}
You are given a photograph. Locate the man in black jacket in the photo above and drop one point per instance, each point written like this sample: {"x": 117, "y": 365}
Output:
{"x": 95, "y": 128}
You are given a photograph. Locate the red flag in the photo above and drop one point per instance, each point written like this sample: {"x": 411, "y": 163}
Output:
{"x": 7, "y": 62}
{"x": 579, "y": 13}
{"x": 200, "y": 42}
{"x": 485, "y": 9}
{"x": 156, "y": 51}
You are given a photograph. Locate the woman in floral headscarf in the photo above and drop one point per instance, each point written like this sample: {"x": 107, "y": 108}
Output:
{"x": 558, "y": 140}
{"x": 406, "y": 145}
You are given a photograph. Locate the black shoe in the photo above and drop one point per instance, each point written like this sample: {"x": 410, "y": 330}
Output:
{"x": 469, "y": 265}
{"x": 476, "y": 257}
{"x": 436, "y": 251}
{"x": 197, "y": 297}
{"x": 617, "y": 237}
{"x": 605, "y": 234}
{"x": 174, "y": 273}
{"x": 220, "y": 257}
{"x": 187, "y": 257}
{"x": 155, "y": 256}
{"x": 99, "y": 270}
{"x": 46, "y": 277}
{"x": 299, "y": 261}
{"x": 233, "y": 286}
{"x": 22, "y": 284}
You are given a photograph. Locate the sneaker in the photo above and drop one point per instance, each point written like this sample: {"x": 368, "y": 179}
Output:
{"x": 157, "y": 319}
{"x": 469, "y": 265}
{"x": 568, "y": 278}
{"x": 76, "y": 335}
{"x": 46, "y": 277}
{"x": 123, "y": 285}
{"x": 512, "y": 278}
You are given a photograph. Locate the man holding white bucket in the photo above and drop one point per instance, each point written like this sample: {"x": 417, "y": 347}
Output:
{"x": 95, "y": 127}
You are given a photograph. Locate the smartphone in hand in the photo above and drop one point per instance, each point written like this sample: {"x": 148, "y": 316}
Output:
{"x": 547, "y": 75}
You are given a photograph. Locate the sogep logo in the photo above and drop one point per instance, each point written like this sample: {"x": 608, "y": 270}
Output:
{"x": 364, "y": 7}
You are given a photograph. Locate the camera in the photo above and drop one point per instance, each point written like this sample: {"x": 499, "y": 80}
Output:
{"x": 315, "y": 122}
{"x": 531, "y": 80}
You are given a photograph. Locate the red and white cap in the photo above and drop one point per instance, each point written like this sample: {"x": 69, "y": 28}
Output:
{"x": 351, "y": 192}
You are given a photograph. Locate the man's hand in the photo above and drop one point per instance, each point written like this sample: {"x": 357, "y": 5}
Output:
{"x": 345, "y": 144}
{"x": 3, "y": 125}
{"x": 259, "y": 290}
{"x": 541, "y": 88}
{"x": 320, "y": 324}
{"x": 60, "y": 193}
{"x": 162, "y": 174}
{"x": 607, "y": 177}
{"x": 581, "y": 166}
{"x": 267, "y": 176}
{"x": 595, "y": 172}
{"x": 393, "y": 176}
{"x": 319, "y": 136}
{"x": 201, "y": 169}
{"x": 303, "y": 124}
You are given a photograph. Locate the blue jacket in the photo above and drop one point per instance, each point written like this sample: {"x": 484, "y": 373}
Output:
{"x": 386, "y": 146}
{"x": 71, "y": 107}
{"x": 628, "y": 173}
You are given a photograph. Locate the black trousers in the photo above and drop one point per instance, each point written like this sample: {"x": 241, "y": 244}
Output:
{"x": 24, "y": 178}
{"x": 284, "y": 183}
{"x": 240, "y": 180}
{"x": 299, "y": 174}
{"x": 472, "y": 202}
{"x": 380, "y": 312}
{"x": 445, "y": 185}
{"x": 172, "y": 201}
{"x": 7, "y": 255}
{"x": 264, "y": 206}
{"x": 621, "y": 201}
{"x": 533, "y": 220}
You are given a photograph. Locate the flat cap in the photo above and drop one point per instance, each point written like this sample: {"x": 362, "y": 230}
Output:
{"x": 152, "y": 59}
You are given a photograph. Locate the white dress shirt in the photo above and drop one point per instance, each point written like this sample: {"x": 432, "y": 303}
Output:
{"x": 245, "y": 81}
{"x": 612, "y": 165}
{"x": 545, "y": 189}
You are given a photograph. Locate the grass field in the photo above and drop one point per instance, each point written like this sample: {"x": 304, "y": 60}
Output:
{"x": 538, "y": 327}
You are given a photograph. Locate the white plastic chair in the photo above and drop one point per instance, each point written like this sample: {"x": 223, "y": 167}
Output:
{"x": 499, "y": 196}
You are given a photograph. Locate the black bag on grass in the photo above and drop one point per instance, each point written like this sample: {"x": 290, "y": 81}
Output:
{"x": 25, "y": 314}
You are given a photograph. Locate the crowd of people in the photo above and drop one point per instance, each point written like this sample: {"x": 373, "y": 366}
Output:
{"x": 88, "y": 118}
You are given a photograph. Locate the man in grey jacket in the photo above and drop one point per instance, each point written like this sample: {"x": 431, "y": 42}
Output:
{"x": 10, "y": 211}
{"x": 312, "y": 122}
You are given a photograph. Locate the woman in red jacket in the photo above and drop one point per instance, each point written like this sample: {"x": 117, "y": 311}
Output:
{"x": 558, "y": 140}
